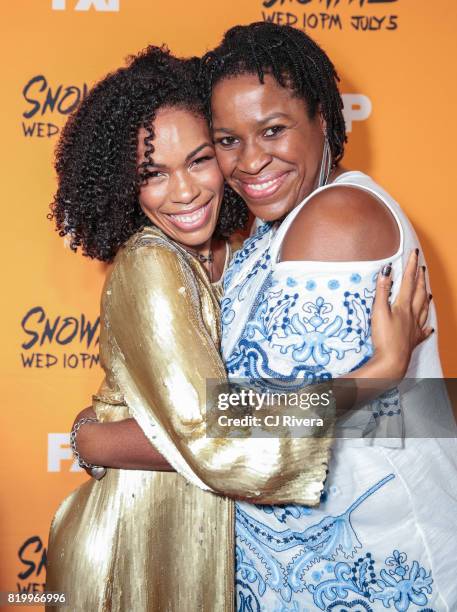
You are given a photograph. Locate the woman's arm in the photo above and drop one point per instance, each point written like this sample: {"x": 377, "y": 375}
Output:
{"x": 348, "y": 224}
{"x": 119, "y": 444}
{"x": 396, "y": 330}
{"x": 342, "y": 223}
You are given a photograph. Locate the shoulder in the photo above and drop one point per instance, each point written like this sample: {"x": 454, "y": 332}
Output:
{"x": 147, "y": 238}
{"x": 342, "y": 223}
{"x": 148, "y": 245}
{"x": 147, "y": 261}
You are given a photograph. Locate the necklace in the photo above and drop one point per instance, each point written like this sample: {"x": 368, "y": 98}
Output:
{"x": 204, "y": 258}
{"x": 209, "y": 259}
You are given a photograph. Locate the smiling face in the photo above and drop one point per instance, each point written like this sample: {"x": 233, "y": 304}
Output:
{"x": 184, "y": 188}
{"x": 268, "y": 148}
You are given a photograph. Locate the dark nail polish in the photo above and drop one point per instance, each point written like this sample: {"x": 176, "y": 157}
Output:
{"x": 433, "y": 330}
{"x": 430, "y": 296}
{"x": 387, "y": 269}
{"x": 417, "y": 252}
{"x": 424, "y": 268}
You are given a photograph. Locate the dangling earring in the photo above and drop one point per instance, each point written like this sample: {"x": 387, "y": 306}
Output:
{"x": 326, "y": 163}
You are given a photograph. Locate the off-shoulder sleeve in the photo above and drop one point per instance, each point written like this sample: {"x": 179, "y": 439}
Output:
{"x": 165, "y": 355}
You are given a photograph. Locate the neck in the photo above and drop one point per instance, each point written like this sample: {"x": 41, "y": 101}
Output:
{"x": 205, "y": 255}
{"x": 199, "y": 249}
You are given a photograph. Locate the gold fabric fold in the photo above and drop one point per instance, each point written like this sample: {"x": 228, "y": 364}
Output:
{"x": 143, "y": 541}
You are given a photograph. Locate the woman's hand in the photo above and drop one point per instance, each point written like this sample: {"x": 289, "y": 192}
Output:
{"x": 398, "y": 328}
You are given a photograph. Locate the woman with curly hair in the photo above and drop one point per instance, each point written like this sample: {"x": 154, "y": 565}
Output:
{"x": 139, "y": 183}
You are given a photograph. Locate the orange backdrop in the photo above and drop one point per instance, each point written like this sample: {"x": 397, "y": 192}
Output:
{"x": 396, "y": 64}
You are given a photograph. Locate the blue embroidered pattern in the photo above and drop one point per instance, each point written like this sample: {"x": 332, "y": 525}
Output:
{"x": 238, "y": 262}
{"x": 313, "y": 332}
{"x": 400, "y": 586}
{"x": 322, "y": 545}
{"x": 305, "y": 332}
{"x": 289, "y": 338}
{"x": 330, "y": 536}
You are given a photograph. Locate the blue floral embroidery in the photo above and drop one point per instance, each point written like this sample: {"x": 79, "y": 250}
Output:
{"x": 310, "y": 285}
{"x": 320, "y": 336}
{"x": 250, "y": 244}
{"x": 249, "y": 248}
{"x": 400, "y": 586}
{"x": 247, "y": 573}
{"x": 355, "y": 278}
{"x": 291, "y": 282}
{"x": 333, "y": 535}
{"x": 387, "y": 404}
{"x": 306, "y": 332}
{"x": 227, "y": 312}
{"x": 251, "y": 361}
{"x": 239, "y": 262}
{"x": 346, "y": 579}
{"x": 333, "y": 284}
{"x": 247, "y": 601}
{"x": 356, "y": 605}
{"x": 282, "y": 512}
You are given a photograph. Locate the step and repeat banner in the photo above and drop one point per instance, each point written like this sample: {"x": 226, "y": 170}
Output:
{"x": 396, "y": 62}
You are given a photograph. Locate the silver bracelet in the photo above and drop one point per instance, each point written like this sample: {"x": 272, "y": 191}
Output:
{"x": 97, "y": 471}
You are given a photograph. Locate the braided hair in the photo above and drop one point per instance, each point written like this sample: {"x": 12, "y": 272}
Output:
{"x": 99, "y": 179}
{"x": 292, "y": 58}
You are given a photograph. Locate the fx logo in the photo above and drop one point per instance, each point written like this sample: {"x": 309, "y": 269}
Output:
{"x": 86, "y": 5}
{"x": 59, "y": 450}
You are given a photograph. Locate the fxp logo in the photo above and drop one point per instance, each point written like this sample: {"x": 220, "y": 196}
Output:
{"x": 86, "y": 5}
{"x": 357, "y": 107}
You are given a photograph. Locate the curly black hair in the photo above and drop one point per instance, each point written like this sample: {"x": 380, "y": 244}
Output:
{"x": 294, "y": 60}
{"x": 96, "y": 204}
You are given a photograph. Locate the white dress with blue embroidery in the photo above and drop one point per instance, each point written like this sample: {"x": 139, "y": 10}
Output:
{"x": 385, "y": 533}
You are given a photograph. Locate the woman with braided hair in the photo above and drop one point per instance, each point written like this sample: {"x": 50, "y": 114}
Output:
{"x": 298, "y": 305}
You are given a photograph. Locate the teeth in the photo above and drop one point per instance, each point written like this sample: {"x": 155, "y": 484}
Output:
{"x": 192, "y": 218}
{"x": 262, "y": 186}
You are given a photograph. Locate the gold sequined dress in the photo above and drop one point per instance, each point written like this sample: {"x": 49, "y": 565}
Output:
{"x": 144, "y": 541}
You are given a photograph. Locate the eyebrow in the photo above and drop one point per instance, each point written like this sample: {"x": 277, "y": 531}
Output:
{"x": 198, "y": 149}
{"x": 267, "y": 119}
{"x": 189, "y": 156}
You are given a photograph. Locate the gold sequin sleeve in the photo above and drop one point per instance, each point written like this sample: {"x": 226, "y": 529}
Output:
{"x": 162, "y": 322}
